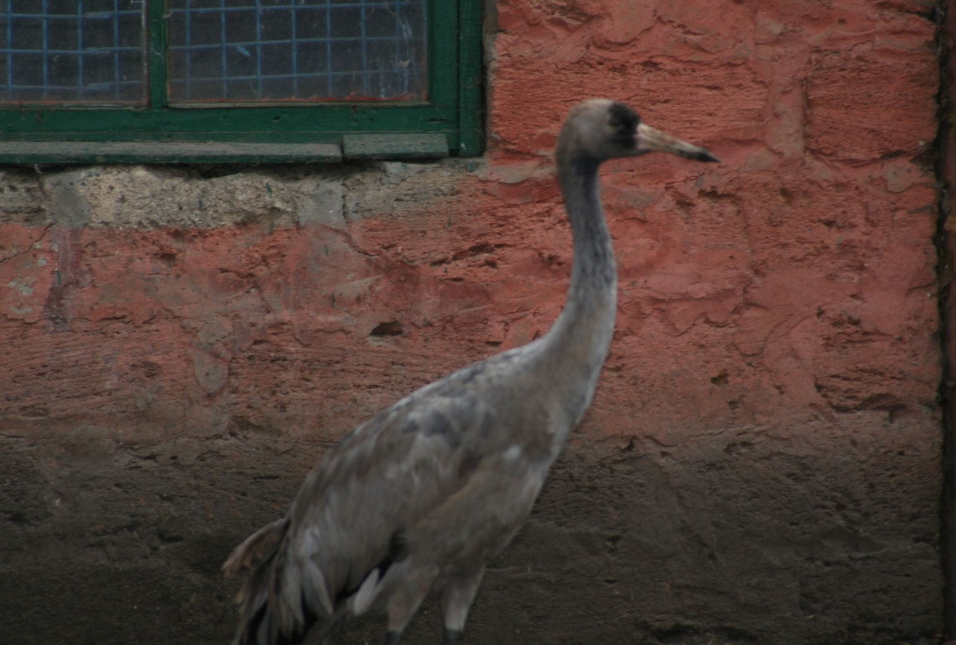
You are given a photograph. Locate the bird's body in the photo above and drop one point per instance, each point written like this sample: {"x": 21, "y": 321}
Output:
{"x": 425, "y": 493}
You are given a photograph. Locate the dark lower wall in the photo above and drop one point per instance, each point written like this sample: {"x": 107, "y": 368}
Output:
{"x": 744, "y": 536}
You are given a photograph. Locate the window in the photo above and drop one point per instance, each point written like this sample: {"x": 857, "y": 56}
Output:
{"x": 249, "y": 80}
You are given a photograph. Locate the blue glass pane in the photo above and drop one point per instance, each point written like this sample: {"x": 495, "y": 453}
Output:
{"x": 288, "y": 50}
{"x": 72, "y": 51}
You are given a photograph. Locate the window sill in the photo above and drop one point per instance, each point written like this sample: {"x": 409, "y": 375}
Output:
{"x": 378, "y": 146}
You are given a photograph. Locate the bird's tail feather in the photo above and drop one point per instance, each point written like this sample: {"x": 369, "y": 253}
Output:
{"x": 256, "y": 547}
{"x": 259, "y": 623}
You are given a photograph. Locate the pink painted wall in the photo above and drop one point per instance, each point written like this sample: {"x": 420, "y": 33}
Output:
{"x": 761, "y": 462}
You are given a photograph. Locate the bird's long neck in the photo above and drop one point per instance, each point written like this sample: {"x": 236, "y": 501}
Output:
{"x": 577, "y": 344}
{"x": 593, "y": 276}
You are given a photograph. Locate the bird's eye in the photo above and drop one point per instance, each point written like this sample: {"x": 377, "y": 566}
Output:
{"x": 626, "y": 134}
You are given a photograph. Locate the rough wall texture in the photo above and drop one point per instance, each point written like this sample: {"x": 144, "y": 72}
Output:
{"x": 762, "y": 460}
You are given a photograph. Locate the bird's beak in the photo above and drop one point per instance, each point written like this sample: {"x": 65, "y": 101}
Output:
{"x": 652, "y": 140}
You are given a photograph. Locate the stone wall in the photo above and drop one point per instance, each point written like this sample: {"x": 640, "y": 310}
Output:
{"x": 762, "y": 460}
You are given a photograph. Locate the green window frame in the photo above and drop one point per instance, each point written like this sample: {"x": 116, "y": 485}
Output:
{"x": 447, "y": 122}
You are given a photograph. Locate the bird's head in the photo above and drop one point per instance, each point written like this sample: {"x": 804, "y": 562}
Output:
{"x": 602, "y": 129}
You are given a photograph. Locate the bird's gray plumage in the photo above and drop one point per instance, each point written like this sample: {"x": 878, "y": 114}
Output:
{"x": 425, "y": 493}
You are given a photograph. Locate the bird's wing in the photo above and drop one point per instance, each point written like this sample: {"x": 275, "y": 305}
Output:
{"x": 349, "y": 519}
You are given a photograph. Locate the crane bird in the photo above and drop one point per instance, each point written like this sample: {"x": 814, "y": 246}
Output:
{"x": 422, "y": 495}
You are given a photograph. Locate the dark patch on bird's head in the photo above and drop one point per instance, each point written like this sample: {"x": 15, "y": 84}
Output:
{"x": 599, "y": 129}
{"x": 623, "y": 122}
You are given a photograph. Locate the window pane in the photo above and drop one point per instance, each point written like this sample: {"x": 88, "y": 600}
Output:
{"x": 72, "y": 51}
{"x": 298, "y": 50}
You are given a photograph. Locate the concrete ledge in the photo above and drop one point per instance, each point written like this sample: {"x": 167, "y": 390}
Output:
{"x": 395, "y": 146}
{"x": 33, "y": 152}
